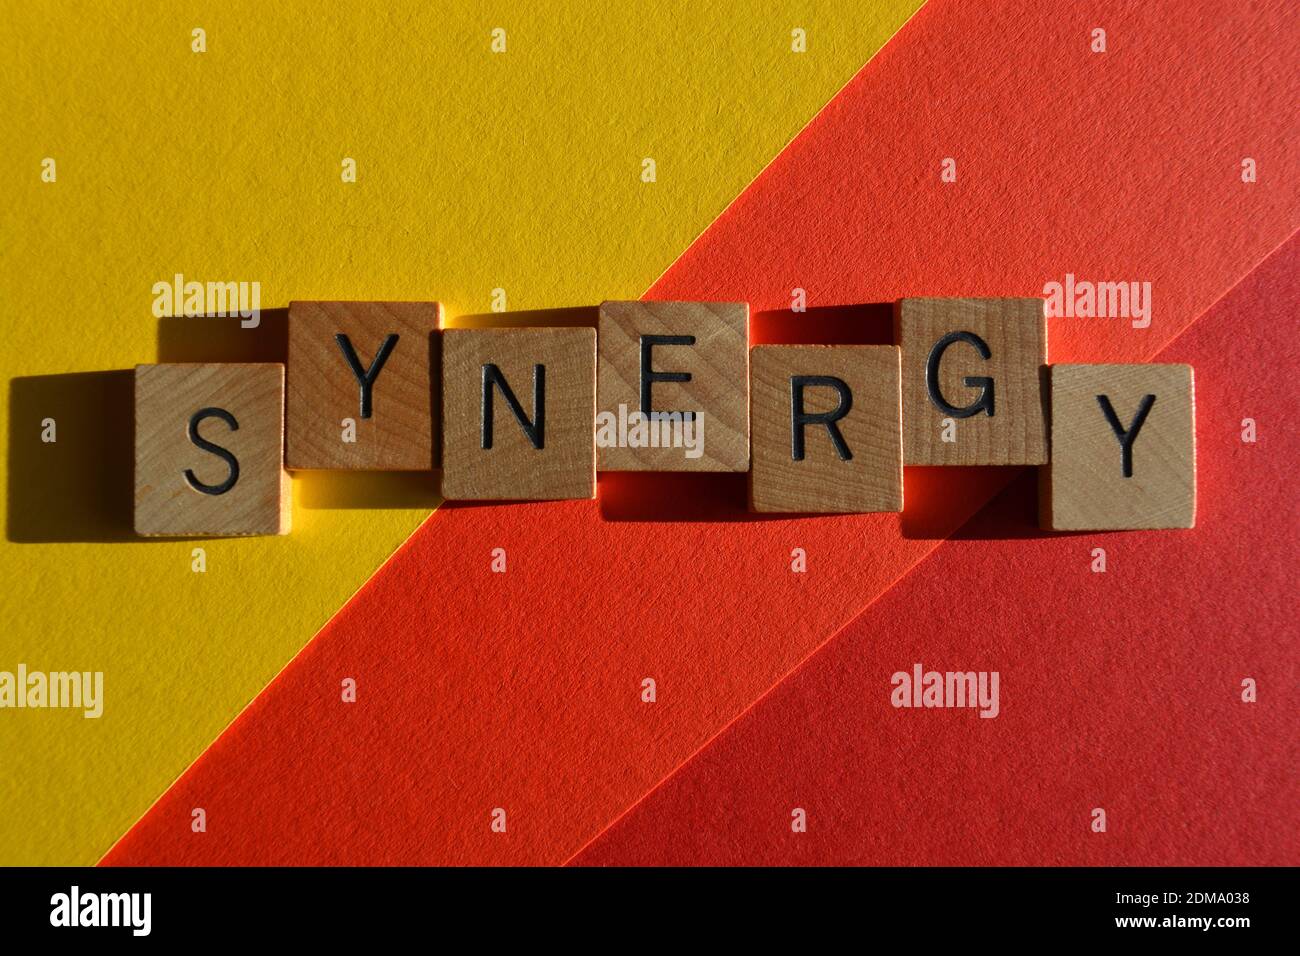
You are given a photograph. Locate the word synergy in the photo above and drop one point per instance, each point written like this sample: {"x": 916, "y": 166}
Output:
{"x": 534, "y": 413}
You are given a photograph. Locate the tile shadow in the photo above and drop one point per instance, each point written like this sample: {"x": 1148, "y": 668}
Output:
{"x": 668, "y": 496}
{"x": 870, "y": 323}
{"x": 80, "y": 486}
{"x": 218, "y": 339}
{"x": 346, "y": 490}
{"x": 1013, "y": 514}
{"x": 582, "y": 316}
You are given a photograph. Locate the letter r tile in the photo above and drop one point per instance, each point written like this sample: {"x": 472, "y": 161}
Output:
{"x": 827, "y": 429}
{"x": 209, "y": 450}
{"x": 375, "y": 364}
{"x": 973, "y": 390}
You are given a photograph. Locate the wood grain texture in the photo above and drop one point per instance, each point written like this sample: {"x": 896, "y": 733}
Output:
{"x": 871, "y": 479}
{"x": 169, "y": 503}
{"x": 718, "y": 390}
{"x": 1015, "y": 331}
{"x": 401, "y": 433}
{"x": 513, "y": 468}
{"x": 1085, "y": 488}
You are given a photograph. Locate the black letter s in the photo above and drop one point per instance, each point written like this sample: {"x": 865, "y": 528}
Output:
{"x": 222, "y": 453}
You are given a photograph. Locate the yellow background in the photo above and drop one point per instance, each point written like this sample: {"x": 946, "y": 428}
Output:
{"x": 476, "y": 171}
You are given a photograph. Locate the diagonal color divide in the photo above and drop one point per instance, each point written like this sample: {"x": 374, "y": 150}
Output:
{"x": 1120, "y": 690}
{"x": 531, "y": 159}
{"x": 521, "y": 691}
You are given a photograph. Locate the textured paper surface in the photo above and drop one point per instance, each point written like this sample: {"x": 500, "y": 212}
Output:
{"x": 475, "y": 171}
{"x": 1119, "y": 690}
{"x": 523, "y": 690}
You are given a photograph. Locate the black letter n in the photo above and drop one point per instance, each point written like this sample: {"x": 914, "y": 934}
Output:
{"x": 535, "y": 429}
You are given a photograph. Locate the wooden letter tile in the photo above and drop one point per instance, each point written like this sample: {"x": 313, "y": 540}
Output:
{"x": 972, "y": 381}
{"x": 517, "y": 414}
{"x": 827, "y": 428}
{"x": 392, "y": 421}
{"x": 1123, "y": 449}
{"x": 674, "y": 358}
{"x": 209, "y": 450}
